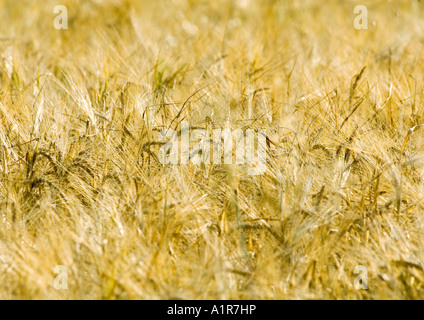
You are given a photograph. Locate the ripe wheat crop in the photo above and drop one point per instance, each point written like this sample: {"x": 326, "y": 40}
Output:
{"x": 337, "y": 213}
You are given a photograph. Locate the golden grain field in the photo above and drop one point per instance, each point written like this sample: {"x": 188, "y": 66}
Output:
{"x": 83, "y": 193}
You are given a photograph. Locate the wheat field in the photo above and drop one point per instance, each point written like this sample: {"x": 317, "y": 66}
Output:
{"x": 82, "y": 188}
